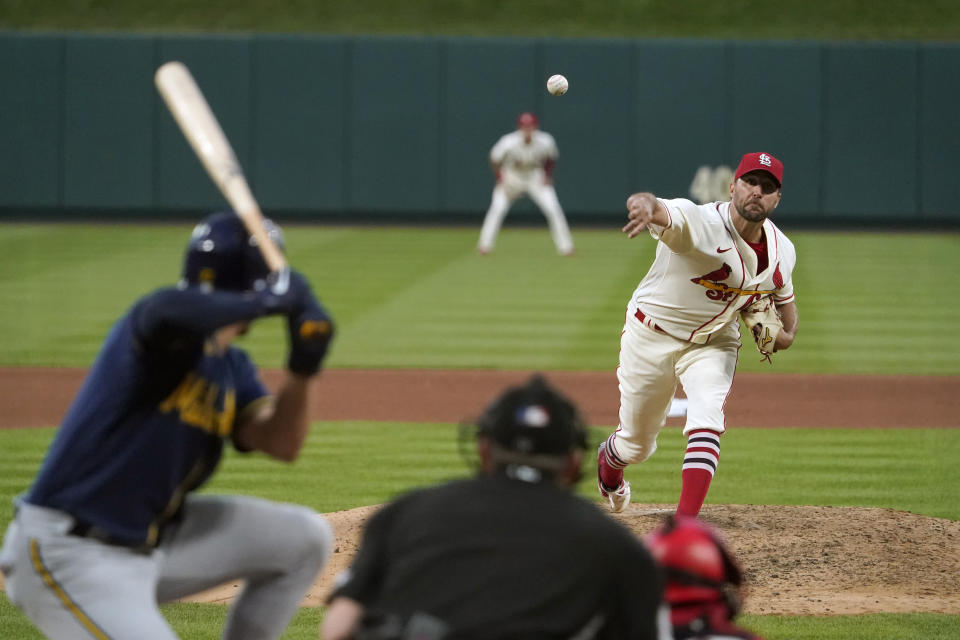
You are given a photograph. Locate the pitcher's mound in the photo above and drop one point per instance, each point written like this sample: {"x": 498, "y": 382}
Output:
{"x": 797, "y": 560}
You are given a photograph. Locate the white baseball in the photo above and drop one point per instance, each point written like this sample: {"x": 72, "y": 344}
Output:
{"x": 557, "y": 85}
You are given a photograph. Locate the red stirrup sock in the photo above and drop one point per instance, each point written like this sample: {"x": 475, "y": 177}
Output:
{"x": 699, "y": 465}
{"x": 609, "y": 465}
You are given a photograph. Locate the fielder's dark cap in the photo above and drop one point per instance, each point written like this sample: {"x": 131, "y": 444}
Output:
{"x": 760, "y": 161}
{"x": 534, "y": 419}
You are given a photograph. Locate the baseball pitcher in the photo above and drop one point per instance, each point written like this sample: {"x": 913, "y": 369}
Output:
{"x": 714, "y": 263}
{"x": 523, "y": 162}
{"x": 111, "y": 526}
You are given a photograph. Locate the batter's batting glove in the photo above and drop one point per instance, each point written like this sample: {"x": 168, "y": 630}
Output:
{"x": 311, "y": 331}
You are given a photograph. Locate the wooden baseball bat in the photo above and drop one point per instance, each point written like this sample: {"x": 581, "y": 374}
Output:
{"x": 202, "y": 130}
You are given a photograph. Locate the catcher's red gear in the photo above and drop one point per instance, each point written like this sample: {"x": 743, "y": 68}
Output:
{"x": 698, "y": 568}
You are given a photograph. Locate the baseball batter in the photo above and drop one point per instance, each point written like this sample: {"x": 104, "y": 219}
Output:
{"x": 712, "y": 261}
{"x": 523, "y": 162}
{"x": 110, "y": 526}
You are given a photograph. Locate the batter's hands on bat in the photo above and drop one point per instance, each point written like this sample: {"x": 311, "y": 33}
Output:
{"x": 643, "y": 209}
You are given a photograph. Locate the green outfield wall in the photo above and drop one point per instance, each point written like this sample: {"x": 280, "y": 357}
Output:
{"x": 395, "y": 128}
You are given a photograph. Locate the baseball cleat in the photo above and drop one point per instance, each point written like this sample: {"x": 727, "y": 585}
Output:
{"x": 617, "y": 499}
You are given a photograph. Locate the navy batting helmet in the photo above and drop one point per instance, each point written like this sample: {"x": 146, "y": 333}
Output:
{"x": 221, "y": 254}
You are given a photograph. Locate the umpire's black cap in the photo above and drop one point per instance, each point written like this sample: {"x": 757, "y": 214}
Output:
{"x": 534, "y": 419}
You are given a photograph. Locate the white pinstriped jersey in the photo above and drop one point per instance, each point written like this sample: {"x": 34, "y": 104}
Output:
{"x": 704, "y": 272}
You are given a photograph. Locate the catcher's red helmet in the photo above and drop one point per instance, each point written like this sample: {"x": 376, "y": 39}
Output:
{"x": 697, "y": 564}
{"x": 527, "y": 119}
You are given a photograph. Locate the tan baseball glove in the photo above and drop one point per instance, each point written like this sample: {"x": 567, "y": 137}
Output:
{"x": 763, "y": 321}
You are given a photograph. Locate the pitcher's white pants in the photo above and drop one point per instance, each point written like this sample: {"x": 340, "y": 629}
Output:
{"x": 72, "y": 587}
{"x": 651, "y": 365}
{"x": 545, "y": 197}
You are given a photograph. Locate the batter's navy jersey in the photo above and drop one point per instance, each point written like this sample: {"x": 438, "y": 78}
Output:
{"x": 146, "y": 427}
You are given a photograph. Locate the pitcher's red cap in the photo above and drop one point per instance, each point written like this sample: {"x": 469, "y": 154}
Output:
{"x": 763, "y": 162}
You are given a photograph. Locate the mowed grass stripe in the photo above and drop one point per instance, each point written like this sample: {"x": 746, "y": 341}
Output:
{"x": 509, "y": 309}
{"x": 907, "y": 469}
{"x": 422, "y": 297}
{"x": 878, "y": 468}
{"x": 66, "y": 286}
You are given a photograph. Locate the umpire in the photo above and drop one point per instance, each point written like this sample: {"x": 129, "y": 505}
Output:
{"x": 510, "y": 553}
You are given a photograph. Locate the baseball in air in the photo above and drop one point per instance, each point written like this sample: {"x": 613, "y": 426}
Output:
{"x": 557, "y": 85}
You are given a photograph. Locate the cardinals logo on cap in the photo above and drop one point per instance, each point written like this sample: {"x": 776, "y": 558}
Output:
{"x": 763, "y": 161}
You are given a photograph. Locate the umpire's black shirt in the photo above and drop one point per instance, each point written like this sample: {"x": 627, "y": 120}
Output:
{"x": 495, "y": 557}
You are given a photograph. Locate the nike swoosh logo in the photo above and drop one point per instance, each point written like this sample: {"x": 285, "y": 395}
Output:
{"x": 719, "y": 250}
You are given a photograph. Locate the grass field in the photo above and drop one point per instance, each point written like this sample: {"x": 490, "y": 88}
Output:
{"x": 913, "y": 470}
{"x": 869, "y": 303}
{"x": 910, "y": 470}
{"x": 812, "y": 19}
{"x": 203, "y": 622}
{"x": 421, "y": 297}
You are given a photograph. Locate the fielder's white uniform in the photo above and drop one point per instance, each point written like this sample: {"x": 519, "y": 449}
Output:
{"x": 682, "y": 321}
{"x": 522, "y": 171}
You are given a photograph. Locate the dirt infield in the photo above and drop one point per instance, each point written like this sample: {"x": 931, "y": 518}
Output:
{"x": 38, "y": 397}
{"x": 799, "y": 560}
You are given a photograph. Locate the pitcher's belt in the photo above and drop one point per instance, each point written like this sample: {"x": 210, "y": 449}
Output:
{"x": 650, "y": 323}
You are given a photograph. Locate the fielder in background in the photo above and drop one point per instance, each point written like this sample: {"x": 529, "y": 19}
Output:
{"x": 510, "y": 553}
{"x": 523, "y": 162}
{"x": 704, "y": 583}
{"x": 713, "y": 262}
{"x": 110, "y": 526}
